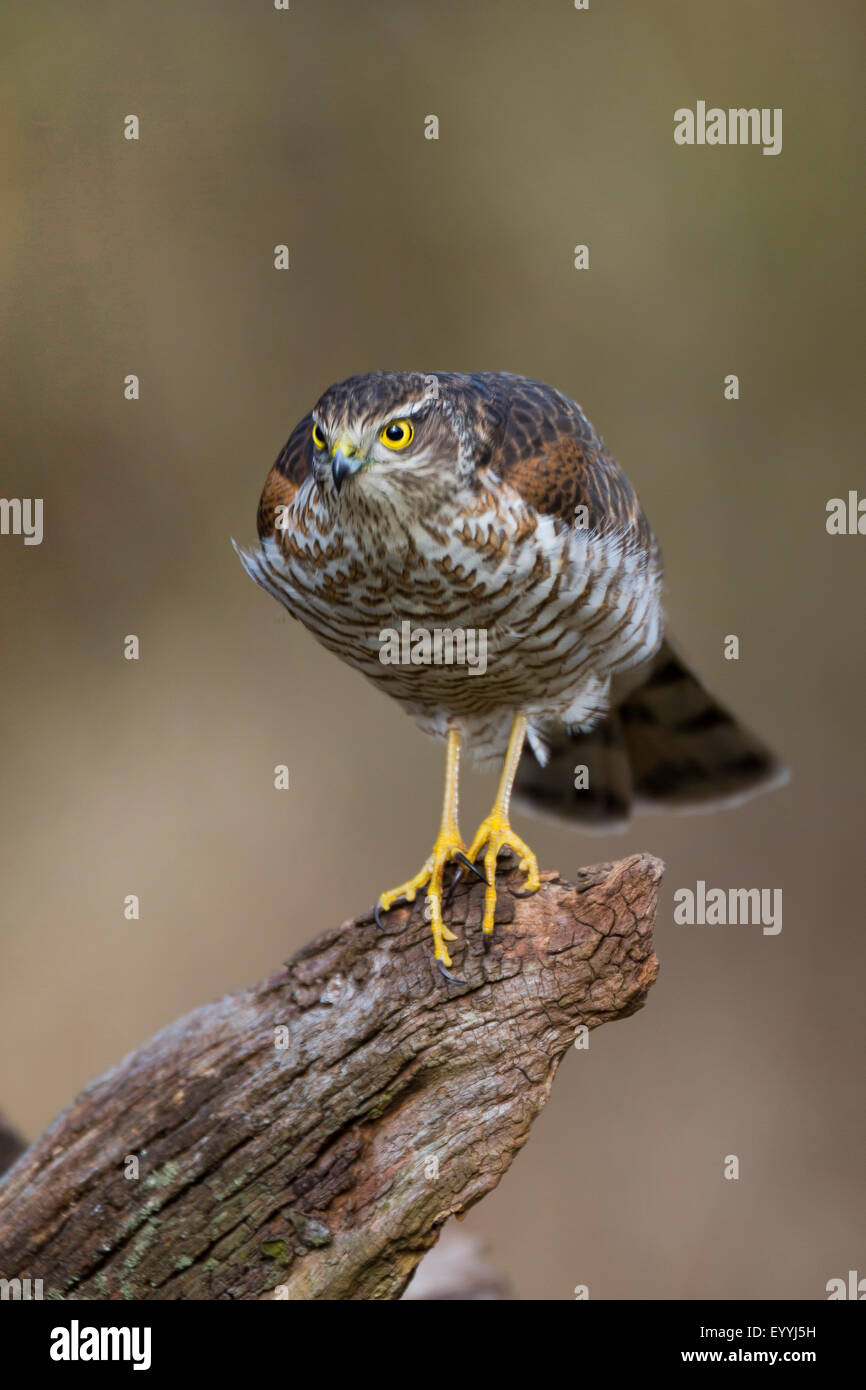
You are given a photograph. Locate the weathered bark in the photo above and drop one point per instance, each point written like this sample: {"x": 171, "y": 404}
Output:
{"x": 328, "y": 1166}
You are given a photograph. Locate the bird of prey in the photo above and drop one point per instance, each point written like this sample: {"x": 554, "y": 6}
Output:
{"x": 420, "y": 504}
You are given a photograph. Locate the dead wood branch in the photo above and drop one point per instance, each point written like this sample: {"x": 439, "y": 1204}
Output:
{"x": 329, "y": 1164}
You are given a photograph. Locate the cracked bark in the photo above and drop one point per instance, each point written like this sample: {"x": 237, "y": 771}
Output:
{"x": 328, "y": 1166}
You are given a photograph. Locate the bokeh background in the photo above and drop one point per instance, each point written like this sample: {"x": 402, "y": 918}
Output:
{"x": 156, "y": 777}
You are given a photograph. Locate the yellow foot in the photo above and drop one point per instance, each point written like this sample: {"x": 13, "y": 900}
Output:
{"x": 496, "y": 833}
{"x": 448, "y": 846}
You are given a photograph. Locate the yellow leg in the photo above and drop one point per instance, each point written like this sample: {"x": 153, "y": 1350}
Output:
{"x": 449, "y": 845}
{"x": 495, "y": 831}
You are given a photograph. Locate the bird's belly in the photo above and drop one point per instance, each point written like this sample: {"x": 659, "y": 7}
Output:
{"x": 466, "y": 634}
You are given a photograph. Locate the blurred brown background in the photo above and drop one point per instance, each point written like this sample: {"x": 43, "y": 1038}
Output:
{"x": 155, "y": 777}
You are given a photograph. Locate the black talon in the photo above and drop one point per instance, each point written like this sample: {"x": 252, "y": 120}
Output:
{"x": 379, "y": 923}
{"x": 468, "y": 862}
{"x": 447, "y": 974}
{"x": 449, "y": 891}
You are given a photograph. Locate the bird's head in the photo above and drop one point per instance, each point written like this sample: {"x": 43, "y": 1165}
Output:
{"x": 393, "y": 433}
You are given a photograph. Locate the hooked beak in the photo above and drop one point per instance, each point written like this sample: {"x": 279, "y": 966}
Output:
{"x": 344, "y": 462}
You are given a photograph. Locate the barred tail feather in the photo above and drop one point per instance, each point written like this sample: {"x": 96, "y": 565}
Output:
{"x": 667, "y": 744}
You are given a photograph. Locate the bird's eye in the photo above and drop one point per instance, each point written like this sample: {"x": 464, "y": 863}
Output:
{"x": 318, "y": 437}
{"x": 397, "y": 435}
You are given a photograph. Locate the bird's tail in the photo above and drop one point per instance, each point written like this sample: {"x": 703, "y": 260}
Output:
{"x": 667, "y": 744}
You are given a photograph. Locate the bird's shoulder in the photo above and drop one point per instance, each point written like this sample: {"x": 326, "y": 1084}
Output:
{"x": 292, "y": 467}
{"x": 546, "y": 449}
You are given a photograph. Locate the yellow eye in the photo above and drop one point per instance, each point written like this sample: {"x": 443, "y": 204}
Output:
{"x": 318, "y": 437}
{"x": 397, "y": 435}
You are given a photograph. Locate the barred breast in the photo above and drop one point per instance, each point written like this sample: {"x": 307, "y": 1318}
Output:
{"x": 561, "y": 610}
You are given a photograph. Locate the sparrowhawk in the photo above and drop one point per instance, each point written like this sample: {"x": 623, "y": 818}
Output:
{"x": 440, "y": 503}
